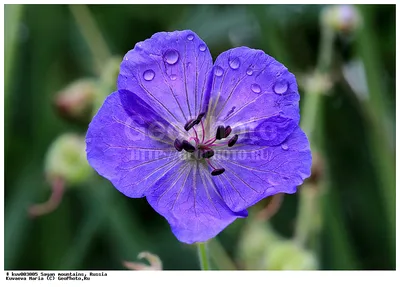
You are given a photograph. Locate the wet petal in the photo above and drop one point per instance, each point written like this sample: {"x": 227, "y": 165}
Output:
{"x": 256, "y": 172}
{"x": 250, "y": 87}
{"x": 129, "y": 144}
{"x": 169, "y": 71}
{"x": 191, "y": 203}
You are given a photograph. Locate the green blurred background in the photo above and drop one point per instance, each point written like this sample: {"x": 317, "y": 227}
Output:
{"x": 96, "y": 227}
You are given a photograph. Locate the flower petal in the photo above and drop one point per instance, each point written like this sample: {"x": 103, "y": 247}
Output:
{"x": 253, "y": 174}
{"x": 169, "y": 71}
{"x": 129, "y": 144}
{"x": 189, "y": 200}
{"x": 249, "y": 87}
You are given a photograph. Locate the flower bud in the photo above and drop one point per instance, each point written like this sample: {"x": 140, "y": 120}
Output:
{"x": 254, "y": 244}
{"x": 75, "y": 102}
{"x": 66, "y": 159}
{"x": 317, "y": 83}
{"x": 107, "y": 82}
{"x": 341, "y": 18}
{"x": 287, "y": 255}
{"x": 65, "y": 164}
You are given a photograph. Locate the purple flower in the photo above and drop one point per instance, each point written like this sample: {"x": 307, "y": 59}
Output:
{"x": 201, "y": 142}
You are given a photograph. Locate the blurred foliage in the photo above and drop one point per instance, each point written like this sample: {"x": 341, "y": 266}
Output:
{"x": 96, "y": 227}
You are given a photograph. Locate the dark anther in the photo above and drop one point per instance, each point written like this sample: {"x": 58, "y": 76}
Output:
{"x": 220, "y": 132}
{"x": 218, "y": 171}
{"x": 228, "y": 131}
{"x": 200, "y": 117}
{"x": 178, "y": 145}
{"x": 190, "y": 124}
{"x": 208, "y": 154}
{"x": 187, "y": 146}
{"x": 198, "y": 120}
{"x": 233, "y": 140}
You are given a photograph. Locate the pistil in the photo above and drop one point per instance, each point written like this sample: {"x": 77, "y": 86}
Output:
{"x": 204, "y": 147}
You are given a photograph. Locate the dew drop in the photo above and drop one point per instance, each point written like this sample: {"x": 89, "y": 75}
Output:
{"x": 171, "y": 57}
{"x": 148, "y": 75}
{"x": 173, "y": 77}
{"x": 234, "y": 63}
{"x": 249, "y": 72}
{"x": 218, "y": 71}
{"x": 270, "y": 189}
{"x": 255, "y": 88}
{"x": 281, "y": 87}
{"x": 284, "y": 147}
{"x": 190, "y": 37}
{"x": 202, "y": 47}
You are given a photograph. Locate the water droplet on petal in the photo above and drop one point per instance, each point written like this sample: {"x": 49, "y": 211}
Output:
{"x": 281, "y": 87}
{"x": 190, "y": 37}
{"x": 255, "y": 88}
{"x": 202, "y": 47}
{"x": 234, "y": 63}
{"x": 173, "y": 77}
{"x": 249, "y": 72}
{"x": 218, "y": 71}
{"x": 270, "y": 189}
{"x": 148, "y": 75}
{"x": 171, "y": 57}
{"x": 284, "y": 147}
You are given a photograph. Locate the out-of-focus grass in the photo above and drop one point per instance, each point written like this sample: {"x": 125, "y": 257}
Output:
{"x": 96, "y": 227}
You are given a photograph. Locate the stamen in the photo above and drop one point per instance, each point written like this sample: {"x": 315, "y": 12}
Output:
{"x": 210, "y": 141}
{"x": 188, "y": 146}
{"x": 220, "y": 132}
{"x": 203, "y": 131}
{"x": 208, "y": 154}
{"x": 209, "y": 163}
{"x": 197, "y": 136}
{"x": 218, "y": 171}
{"x": 233, "y": 140}
{"x": 199, "y": 117}
{"x": 189, "y": 125}
{"x": 228, "y": 131}
{"x": 178, "y": 145}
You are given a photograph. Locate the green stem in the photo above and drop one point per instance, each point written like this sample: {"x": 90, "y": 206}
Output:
{"x": 91, "y": 33}
{"x": 12, "y": 16}
{"x": 219, "y": 256}
{"x": 202, "y": 250}
{"x": 380, "y": 136}
{"x": 310, "y": 199}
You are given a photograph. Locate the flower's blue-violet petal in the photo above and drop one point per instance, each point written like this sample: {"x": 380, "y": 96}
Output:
{"x": 188, "y": 198}
{"x": 129, "y": 144}
{"x": 258, "y": 98}
{"x": 169, "y": 71}
{"x": 255, "y": 172}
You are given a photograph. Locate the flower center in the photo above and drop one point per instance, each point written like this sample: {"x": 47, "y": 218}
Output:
{"x": 203, "y": 149}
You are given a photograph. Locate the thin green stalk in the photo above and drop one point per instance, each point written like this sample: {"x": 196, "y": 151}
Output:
{"x": 93, "y": 37}
{"x": 204, "y": 261}
{"x": 310, "y": 198}
{"x": 378, "y": 120}
{"x": 12, "y": 15}
{"x": 219, "y": 256}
